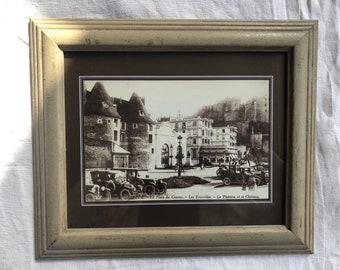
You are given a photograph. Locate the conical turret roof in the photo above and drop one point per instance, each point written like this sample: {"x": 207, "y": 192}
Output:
{"x": 99, "y": 93}
{"x": 132, "y": 111}
{"x": 99, "y": 102}
{"x": 138, "y": 111}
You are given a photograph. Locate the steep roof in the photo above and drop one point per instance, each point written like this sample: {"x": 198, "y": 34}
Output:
{"x": 99, "y": 102}
{"x": 133, "y": 111}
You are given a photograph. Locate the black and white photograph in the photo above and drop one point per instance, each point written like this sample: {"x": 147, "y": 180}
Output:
{"x": 170, "y": 140}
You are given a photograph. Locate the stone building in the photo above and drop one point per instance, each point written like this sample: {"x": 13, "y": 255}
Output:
{"x": 118, "y": 133}
{"x": 137, "y": 132}
{"x": 231, "y": 109}
{"x": 256, "y": 110}
{"x": 101, "y": 129}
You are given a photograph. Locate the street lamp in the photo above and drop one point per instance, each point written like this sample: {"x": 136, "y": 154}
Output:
{"x": 179, "y": 155}
{"x": 171, "y": 156}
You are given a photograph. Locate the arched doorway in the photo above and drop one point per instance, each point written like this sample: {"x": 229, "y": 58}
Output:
{"x": 165, "y": 155}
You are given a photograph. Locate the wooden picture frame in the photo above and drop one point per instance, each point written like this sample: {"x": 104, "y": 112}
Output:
{"x": 50, "y": 39}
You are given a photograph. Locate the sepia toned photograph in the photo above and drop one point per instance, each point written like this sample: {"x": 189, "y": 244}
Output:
{"x": 173, "y": 140}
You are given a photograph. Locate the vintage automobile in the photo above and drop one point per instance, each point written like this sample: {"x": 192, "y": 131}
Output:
{"x": 118, "y": 186}
{"x": 231, "y": 174}
{"x": 97, "y": 193}
{"x": 262, "y": 174}
{"x": 237, "y": 174}
{"x": 144, "y": 184}
{"x": 243, "y": 174}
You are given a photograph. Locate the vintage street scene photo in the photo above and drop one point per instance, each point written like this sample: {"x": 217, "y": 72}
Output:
{"x": 164, "y": 140}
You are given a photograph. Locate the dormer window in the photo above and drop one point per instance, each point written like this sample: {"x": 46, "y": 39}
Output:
{"x": 99, "y": 121}
{"x": 105, "y": 105}
{"x": 141, "y": 113}
{"x": 134, "y": 125}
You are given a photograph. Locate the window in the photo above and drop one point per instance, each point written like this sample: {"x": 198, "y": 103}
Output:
{"x": 150, "y": 127}
{"x": 184, "y": 125}
{"x": 176, "y": 125}
{"x": 100, "y": 121}
{"x": 150, "y": 138}
{"x": 183, "y": 131}
{"x": 152, "y": 150}
{"x": 194, "y": 153}
{"x": 202, "y": 132}
{"x": 108, "y": 121}
{"x": 194, "y": 141}
{"x": 134, "y": 125}
{"x": 123, "y": 125}
{"x": 115, "y": 135}
{"x": 122, "y": 137}
{"x": 194, "y": 123}
{"x": 116, "y": 122}
{"x": 223, "y": 130}
{"x": 141, "y": 113}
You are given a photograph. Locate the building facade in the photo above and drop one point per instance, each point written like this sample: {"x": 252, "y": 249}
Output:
{"x": 198, "y": 133}
{"x": 118, "y": 133}
{"x": 167, "y": 146}
{"x": 222, "y": 148}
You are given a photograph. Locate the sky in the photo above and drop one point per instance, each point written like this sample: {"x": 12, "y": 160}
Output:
{"x": 169, "y": 97}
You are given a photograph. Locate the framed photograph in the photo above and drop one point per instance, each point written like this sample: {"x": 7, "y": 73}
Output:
{"x": 163, "y": 138}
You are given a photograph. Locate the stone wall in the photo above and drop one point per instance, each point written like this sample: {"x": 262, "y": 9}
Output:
{"x": 97, "y": 154}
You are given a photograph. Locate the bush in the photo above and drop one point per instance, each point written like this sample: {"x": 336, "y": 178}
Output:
{"x": 183, "y": 181}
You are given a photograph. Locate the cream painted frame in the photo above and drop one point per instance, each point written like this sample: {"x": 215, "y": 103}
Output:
{"x": 49, "y": 38}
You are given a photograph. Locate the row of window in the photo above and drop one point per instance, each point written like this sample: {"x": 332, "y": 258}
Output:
{"x": 123, "y": 124}
{"x": 197, "y": 141}
{"x": 192, "y": 124}
{"x": 109, "y": 121}
{"x": 123, "y": 137}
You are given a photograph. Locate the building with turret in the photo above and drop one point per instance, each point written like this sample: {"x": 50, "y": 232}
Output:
{"x": 102, "y": 126}
{"x": 121, "y": 133}
{"x": 137, "y": 132}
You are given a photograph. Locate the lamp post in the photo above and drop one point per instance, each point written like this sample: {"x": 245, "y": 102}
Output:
{"x": 171, "y": 156}
{"x": 179, "y": 155}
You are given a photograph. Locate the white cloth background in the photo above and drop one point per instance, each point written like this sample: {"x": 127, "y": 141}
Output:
{"x": 16, "y": 190}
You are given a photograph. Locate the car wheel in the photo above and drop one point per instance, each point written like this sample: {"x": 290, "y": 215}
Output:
{"x": 226, "y": 181}
{"x": 125, "y": 194}
{"x": 163, "y": 189}
{"x": 89, "y": 197}
{"x": 112, "y": 187}
{"x": 149, "y": 189}
{"x": 106, "y": 196}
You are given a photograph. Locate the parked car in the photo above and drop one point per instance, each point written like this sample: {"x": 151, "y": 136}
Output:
{"x": 231, "y": 174}
{"x": 262, "y": 174}
{"x": 144, "y": 184}
{"x": 118, "y": 186}
{"x": 97, "y": 193}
